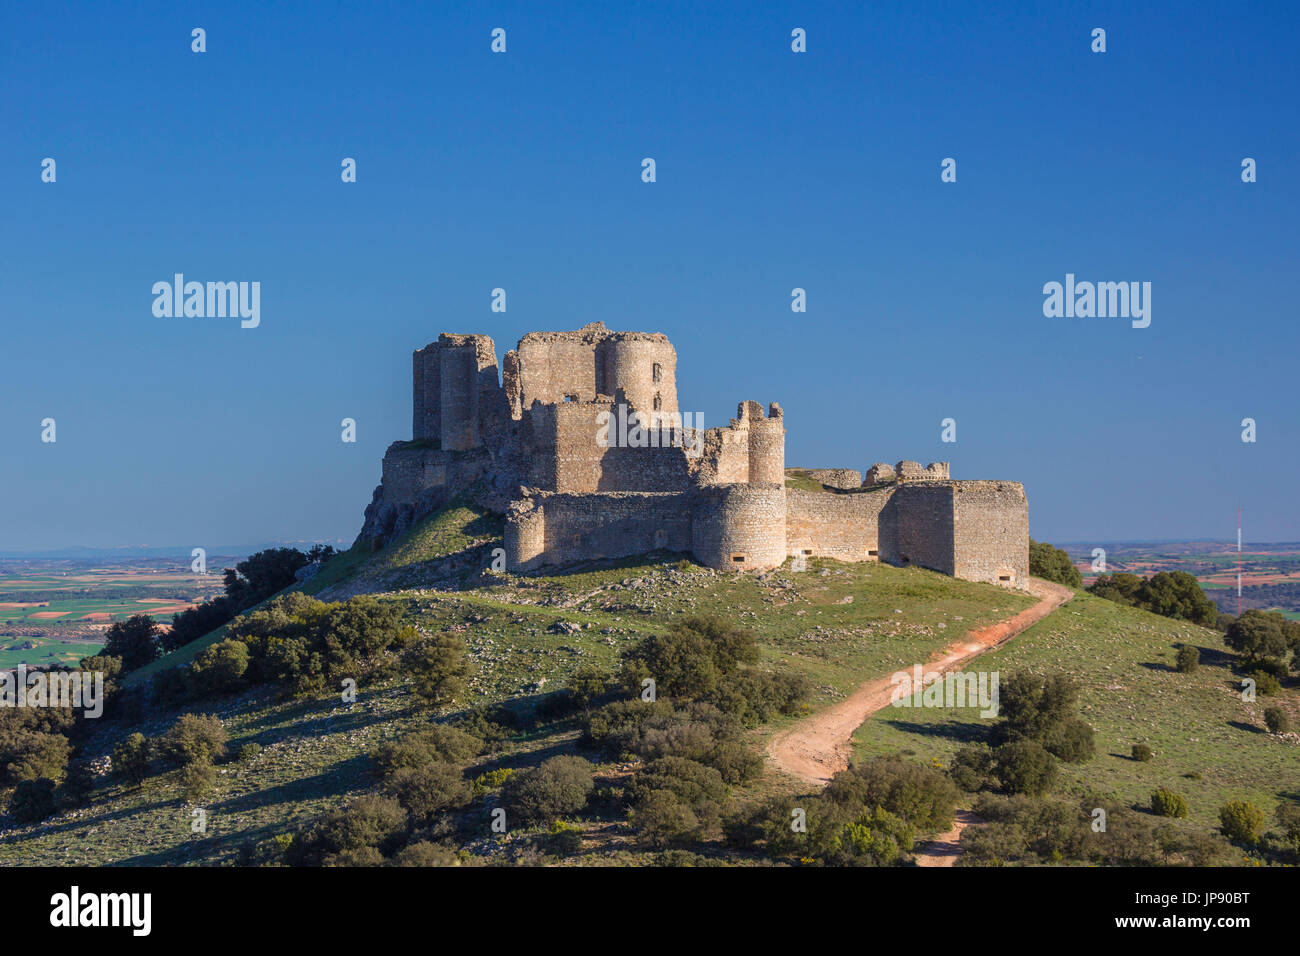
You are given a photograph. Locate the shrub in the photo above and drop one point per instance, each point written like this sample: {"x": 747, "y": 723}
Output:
{"x": 437, "y": 743}
{"x": 492, "y": 780}
{"x": 1070, "y": 740}
{"x": 558, "y": 786}
{"x": 1259, "y": 634}
{"x": 1166, "y": 803}
{"x": 1023, "y": 766}
{"x": 249, "y": 751}
{"x": 219, "y": 668}
{"x": 563, "y": 839}
{"x": 33, "y": 800}
{"x": 1053, "y": 564}
{"x": 972, "y": 768}
{"x": 197, "y": 779}
{"x": 438, "y": 667}
{"x": 427, "y": 789}
{"x": 357, "y": 856}
{"x": 131, "y": 758}
{"x": 661, "y": 819}
{"x": 368, "y": 821}
{"x": 1265, "y": 683}
{"x": 1241, "y": 820}
{"x": 426, "y": 854}
{"x": 1188, "y": 659}
{"x": 920, "y": 796}
{"x": 194, "y": 738}
{"x": 691, "y": 658}
{"x": 1142, "y": 753}
{"x": 34, "y": 754}
{"x": 1277, "y": 720}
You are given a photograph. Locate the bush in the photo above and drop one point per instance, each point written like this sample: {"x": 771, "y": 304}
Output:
{"x": 438, "y": 667}
{"x": 1142, "y": 753}
{"x": 197, "y": 779}
{"x": 1070, "y": 740}
{"x": 131, "y": 758}
{"x": 1189, "y": 659}
{"x": 1023, "y": 766}
{"x": 1260, "y": 634}
{"x": 249, "y": 751}
{"x": 194, "y": 738}
{"x": 691, "y": 658}
{"x": 661, "y": 819}
{"x": 33, "y": 800}
{"x": 1241, "y": 821}
{"x": 368, "y": 821}
{"x": 1053, "y": 564}
{"x": 359, "y": 856}
{"x": 920, "y": 796}
{"x": 219, "y": 668}
{"x": 426, "y": 854}
{"x": 437, "y": 743}
{"x": 563, "y": 839}
{"x": 1265, "y": 682}
{"x": 972, "y": 768}
{"x": 558, "y": 786}
{"x": 1277, "y": 720}
{"x": 1166, "y": 803}
{"x": 427, "y": 789}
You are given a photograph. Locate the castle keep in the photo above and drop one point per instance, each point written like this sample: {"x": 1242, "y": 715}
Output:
{"x": 580, "y": 443}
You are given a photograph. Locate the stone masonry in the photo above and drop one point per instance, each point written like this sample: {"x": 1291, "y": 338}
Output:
{"x": 579, "y": 441}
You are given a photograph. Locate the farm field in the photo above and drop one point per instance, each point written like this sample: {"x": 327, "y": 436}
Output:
{"x": 56, "y": 611}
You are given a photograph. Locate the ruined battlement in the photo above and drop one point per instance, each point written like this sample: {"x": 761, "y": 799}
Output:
{"x": 578, "y": 439}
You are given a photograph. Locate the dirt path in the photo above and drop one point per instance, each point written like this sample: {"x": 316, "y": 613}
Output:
{"x": 817, "y": 747}
{"x": 944, "y": 849}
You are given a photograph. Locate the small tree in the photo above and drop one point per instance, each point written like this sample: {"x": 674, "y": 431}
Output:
{"x": 1142, "y": 753}
{"x": 1166, "y": 803}
{"x": 194, "y": 738}
{"x": 438, "y": 668}
{"x": 1277, "y": 720}
{"x": 135, "y": 641}
{"x": 197, "y": 779}
{"x": 219, "y": 668}
{"x": 1241, "y": 820}
{"x": 1189, "y": 659}
{"x": 131, "y": 758}
{"x": 556, "y": 787}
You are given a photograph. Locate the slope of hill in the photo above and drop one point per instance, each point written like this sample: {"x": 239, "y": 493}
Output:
{"x": 1210, "y": 746}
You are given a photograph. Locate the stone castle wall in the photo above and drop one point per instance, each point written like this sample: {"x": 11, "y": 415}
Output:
{"x": 561, "y": 528}
{"x": 844, "y": 527}
{"x": 846, "y": 479}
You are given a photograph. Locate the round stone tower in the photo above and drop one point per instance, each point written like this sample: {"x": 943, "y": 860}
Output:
{"x": 740, "y": 527}
{"x": 766, "y": 444}
{"x": 644, "y": 367}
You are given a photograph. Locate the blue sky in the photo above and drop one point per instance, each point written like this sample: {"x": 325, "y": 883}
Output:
{"x": 522, "y": 170}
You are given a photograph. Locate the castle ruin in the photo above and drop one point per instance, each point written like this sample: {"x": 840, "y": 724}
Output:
{"x": 580, "y": 443}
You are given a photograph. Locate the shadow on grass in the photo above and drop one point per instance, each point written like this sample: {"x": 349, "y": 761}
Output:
{"x": 956, "y": 730}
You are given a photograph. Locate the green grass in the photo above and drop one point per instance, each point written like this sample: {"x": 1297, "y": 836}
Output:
{"x": 316, "y": 750}
{"x": 46, "y": 651}
{"x": 1123, "y": 659}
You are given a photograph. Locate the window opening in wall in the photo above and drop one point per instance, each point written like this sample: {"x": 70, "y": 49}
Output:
{"x": 1004, "y": 577}
{"x": 657, "y": 372}
{"x": 737, "y": 559}
{"x": 570, "y": 398}
{"x": 659, "y": 402}
{"x": 873, "y": 553}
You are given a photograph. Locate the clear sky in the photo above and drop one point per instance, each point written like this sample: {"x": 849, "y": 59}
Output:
{"x": 775, "y": 170}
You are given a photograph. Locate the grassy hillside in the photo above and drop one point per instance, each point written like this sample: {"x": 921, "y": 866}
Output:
{"x": 1209, "y": 745}
{"x": 839, "y": 624}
